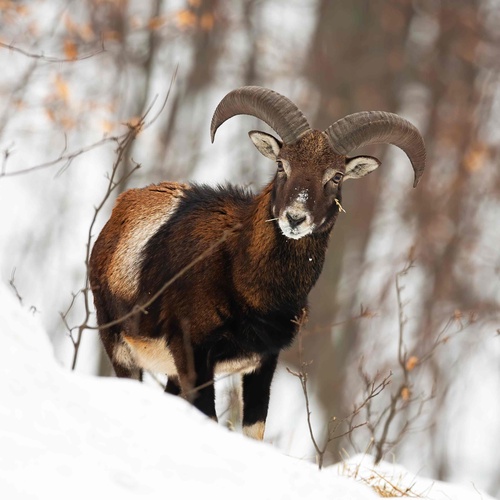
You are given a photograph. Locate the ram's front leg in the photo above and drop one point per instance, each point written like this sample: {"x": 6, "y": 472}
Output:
{"x": 256, "y": 390}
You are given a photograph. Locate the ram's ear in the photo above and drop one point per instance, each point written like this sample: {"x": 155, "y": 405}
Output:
{"x": 267, "y": 145}
{"x": 359, "y": 166}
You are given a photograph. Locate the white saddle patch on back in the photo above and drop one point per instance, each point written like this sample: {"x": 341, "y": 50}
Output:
{"x": 127, "y": 260}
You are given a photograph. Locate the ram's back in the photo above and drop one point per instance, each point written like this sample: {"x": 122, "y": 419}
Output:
{"x": 173, "y": 233}
{"x": 115, "y": 261}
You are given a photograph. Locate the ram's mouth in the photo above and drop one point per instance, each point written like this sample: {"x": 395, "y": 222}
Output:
{"x": 295, "y": 233}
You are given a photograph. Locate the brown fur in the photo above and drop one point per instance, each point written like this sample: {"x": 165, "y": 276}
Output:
{"x": 134, "y": 209}
{"x": 238, "y": 306}
{"x": 311, "y": 156}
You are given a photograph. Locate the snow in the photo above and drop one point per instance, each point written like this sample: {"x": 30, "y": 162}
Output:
{"x": 64, "y": 434}
{"x": 393, "y": 479}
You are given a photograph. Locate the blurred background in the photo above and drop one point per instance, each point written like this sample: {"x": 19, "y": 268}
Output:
{"x": 74, "y": 73}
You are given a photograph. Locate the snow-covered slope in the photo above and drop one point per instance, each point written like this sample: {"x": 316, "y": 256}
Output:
{"x": 64, "y": 435}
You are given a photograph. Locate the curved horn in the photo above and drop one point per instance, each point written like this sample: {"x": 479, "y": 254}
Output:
{"x": 276, "y": 110}
{"x": 369, "y": 127}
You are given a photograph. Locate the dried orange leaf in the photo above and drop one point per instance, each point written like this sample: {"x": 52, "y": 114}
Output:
{"x": 411, "y": 363}
{"x": 22, "y": 10}
{"x": 50, "y": 114}
{"x": 67, "y": 122}
{"x": 70, "y": 50}
{"x": 62, "y": 89}
{"x": 86, "y": 32}
{"x": 156, "y": 22}
{"x": 70, "y": 25}
{"x": 107, "y": 126}
{"x": 207, "y": 21}
{"x": 476, "y": 157}
{"x": 405, "y": 393}
{"x": 111, "y": 35}
{"x": 135, "y": 122}
{"x": 185, "y": 18}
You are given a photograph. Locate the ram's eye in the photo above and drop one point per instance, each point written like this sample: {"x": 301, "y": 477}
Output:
{"x": 337, "y": 177}
{"x": 280, "y": 166}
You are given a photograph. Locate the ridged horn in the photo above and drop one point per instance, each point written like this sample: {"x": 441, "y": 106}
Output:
{"x": 276, "y": 110}
{"x": 370, "y": 127}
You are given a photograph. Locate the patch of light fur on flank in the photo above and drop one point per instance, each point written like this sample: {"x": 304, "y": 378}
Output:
{"x": 126, "y": 261}
{"x": 255, "y": 431}
{"x": 123, "y": 355}
{"x": 152, "y": 355}
{"x": 155, "y": 356}
{"x": 244, "y": 365}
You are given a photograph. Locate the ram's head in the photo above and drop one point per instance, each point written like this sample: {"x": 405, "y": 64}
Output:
{"x": 312, "y": 164}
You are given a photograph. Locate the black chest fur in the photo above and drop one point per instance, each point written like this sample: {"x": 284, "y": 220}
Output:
{"x": 205, "y": 297}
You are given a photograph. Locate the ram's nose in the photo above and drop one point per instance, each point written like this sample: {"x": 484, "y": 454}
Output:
{"x": 295, "y": 219}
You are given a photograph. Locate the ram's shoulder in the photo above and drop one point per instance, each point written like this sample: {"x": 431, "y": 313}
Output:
{"x": 221, "y": 193}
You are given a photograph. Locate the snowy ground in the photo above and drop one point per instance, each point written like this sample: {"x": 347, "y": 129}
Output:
{"x": 65, "y": 435}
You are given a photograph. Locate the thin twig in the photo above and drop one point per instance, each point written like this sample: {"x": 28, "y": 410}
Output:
{"x": 402, "y": 394}
{"x": 341, "y": 208}
{"x": 12, "y": 284}
{"x": 334, "y": 423}
{"x": 68, "y": 158}
{"x": 123, "y": 145}
{"x": 51, "y": 59}
{"x": 381, "y": 424}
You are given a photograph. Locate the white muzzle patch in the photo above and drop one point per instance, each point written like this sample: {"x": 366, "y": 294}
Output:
{"x": 295, "y": 220}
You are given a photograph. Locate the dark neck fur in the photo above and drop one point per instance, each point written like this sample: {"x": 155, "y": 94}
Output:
{"x": 274, "y": 270}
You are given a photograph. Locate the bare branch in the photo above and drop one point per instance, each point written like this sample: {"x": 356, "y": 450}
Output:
{"x": 334, "y": 424}
{"x": 6, "y": 153}
{"x": 64, "y": 157}
{"x": 123, "y": 146}
{"x": 50, "y": 59}
{"x": 403, "y": 398}
{"x": 68, "y": 158}
{"x": 12, "y": 284}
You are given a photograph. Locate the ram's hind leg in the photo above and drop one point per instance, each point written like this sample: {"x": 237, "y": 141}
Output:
{"x": 198, "y": 388}
{"x": 121, "y": 357}
{"x": 173, "y": 387}
{"x": 256, "y": 391}
{"x": 117, "y": 350}
{"x": 195, "y": 374}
